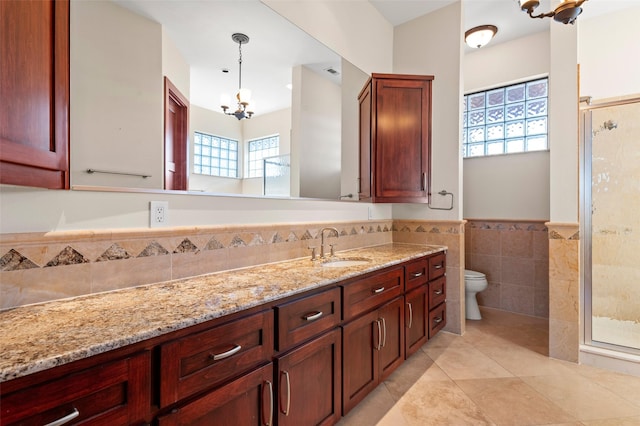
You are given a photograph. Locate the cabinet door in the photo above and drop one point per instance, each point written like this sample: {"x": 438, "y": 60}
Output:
{"x": 116, "y": 393}
{"x": 417, "y": 318}
{"x": 360, "y": 340}
{"x": 246, "y": 401}
{"x": 309, "y": 382}
{"x": 402, "y": 139}
{"x": 364, "y": 178}
{"x": 391, "y": 351}
{"x": 34, "y": 88}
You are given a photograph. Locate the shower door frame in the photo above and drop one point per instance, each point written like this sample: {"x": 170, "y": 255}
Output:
{"x": 586, "y": 127}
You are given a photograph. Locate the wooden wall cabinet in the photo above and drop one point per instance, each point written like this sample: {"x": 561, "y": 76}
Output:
{"x": 34, "y": 88}
{"x": 395, "y": 139}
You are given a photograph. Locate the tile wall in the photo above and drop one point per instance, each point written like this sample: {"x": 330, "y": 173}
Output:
{"x": 564, "y": 283}
{"x": 37, "y": 267}
{"x": 515, "y": 258}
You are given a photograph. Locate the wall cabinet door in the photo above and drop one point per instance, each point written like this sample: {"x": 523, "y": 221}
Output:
{"x": 417, "y": 319}
{"x": 397, "y": 110}
{"x": 248, "y": 400}
{"x": 34, "y": 88}
{"x": 309, "y": 382}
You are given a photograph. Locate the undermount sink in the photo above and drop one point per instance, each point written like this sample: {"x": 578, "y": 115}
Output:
{"x": 341, "y": 262}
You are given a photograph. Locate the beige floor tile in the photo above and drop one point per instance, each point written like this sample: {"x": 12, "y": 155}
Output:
{"x": 623, "y": 385}
{"x": 582, "y": 398}
{"x": 419, "y": 367}
{"x": 524, "y": 362}
{"x": 510, "y": 401}
{"x": 465, "y": 362}
{"x": 393, "y": 418}
{"x": 628, "y": 421}
{"x": 370, "y": 410}
{"x": 439, "y": 404}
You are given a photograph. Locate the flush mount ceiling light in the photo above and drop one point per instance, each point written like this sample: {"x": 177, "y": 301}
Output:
{"x": 477, "y": 37}
{"x": 244, "y": 95}
{"x": 566, "y": 12}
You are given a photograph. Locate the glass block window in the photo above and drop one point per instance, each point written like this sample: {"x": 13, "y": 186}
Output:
{"x": 215, "y": 155}
{"x": 506, "y": 120}
{"x": 257, "y": 150}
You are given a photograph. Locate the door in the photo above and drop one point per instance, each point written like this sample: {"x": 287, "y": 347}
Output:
{"x": 309, "y": 383}
{"x": 34, "y": 93}
{"x": 392, "y": 349}
{"x": 612, "y": 246}
{"x": 176, "y": 137}
{"x": 416, "y": 322}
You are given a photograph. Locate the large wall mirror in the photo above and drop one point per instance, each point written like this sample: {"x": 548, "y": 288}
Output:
{"x": 121, "y": 52}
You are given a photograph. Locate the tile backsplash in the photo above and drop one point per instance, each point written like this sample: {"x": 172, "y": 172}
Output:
{"x": 37, "y": 267}
{"x": 515, "y": 257}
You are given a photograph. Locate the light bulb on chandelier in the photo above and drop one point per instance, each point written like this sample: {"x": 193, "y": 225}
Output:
{"x": 243, "y": 96}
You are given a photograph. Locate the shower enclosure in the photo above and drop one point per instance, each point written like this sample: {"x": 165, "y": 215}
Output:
{"x": 611, "y": 224}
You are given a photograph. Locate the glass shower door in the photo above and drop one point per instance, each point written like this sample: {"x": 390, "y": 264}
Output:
{"x": 615, "y": 226}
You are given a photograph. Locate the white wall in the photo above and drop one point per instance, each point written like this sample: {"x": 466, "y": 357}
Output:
{"x": 512, "y": 186}
{"x": 609, "y": 55}
{"x": 354, "y": 30}
{"x": 509, "y": 186}
{"x": 175, "y": 67}
{"x": 319, "y": 136}
{"x": 116, "y": 120}
{"x": 432, "y": 45}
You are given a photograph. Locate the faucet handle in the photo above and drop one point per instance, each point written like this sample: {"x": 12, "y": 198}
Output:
{"x": 333, "y": 252}
{"x": 313, "y": 252}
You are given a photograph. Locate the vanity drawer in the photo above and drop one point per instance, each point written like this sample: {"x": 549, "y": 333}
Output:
{"x": 369, "y": 293}
{"x": 437, "y": 319}
{"x": 437, "y": 291}
{"x": 437, "y": 265}
{"x": 416, "y": 274}
{"x": 208, "y": 358}
{"x": 304, "y": 318}
{"x": 116, "y": 393}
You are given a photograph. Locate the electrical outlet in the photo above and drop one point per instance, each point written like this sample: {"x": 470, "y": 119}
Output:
{"x": 158, "y": 214}
{"x": 369, "y": 213}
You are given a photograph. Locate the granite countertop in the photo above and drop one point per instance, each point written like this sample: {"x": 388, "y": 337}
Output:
{"x": 37, "y": 337}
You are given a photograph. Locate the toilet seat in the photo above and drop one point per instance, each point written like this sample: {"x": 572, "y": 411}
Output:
{"x": 474, "y": 275}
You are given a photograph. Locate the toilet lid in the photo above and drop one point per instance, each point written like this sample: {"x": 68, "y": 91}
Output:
{"x": 473, "y": 275}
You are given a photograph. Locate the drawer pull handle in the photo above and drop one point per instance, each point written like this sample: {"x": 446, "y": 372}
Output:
{"x": 417, "y": 274}
{"x": 379, "y": 335}
{"x": 227, "y": 354}
{"x": 311, "y": 317}
{"x": 410, "y": 315}
{"x": 384, "y": 333}
{"x": 65, "y": 419}
{"x": 268, "y": 421}
{"x": 286, "y": 410}
{"x": 438, "y": 292}
{"x": 378, "y": 290}
{"x": 437, "y": 320}
{"x": 438, "y": 266}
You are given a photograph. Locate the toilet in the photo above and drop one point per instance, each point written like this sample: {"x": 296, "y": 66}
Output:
{"x": 474, "y": 282}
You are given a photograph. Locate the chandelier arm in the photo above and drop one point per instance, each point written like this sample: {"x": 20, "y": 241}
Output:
{"x": 542, "y": 15}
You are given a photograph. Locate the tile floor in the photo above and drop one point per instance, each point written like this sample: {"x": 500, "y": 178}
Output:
{"x": 498, "y": 373}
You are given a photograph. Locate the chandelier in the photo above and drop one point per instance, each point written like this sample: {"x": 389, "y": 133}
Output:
{"x": 244, "y": 95}
{"x": 566, "y": 12}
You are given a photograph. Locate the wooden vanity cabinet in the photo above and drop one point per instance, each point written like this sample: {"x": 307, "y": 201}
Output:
{"x": 395, "y": 139}
{"x": 373, "y": 341}
{"x": 437, "y": 293}
{"x": 309, "y": 368}
{"x": 416, "y": 304}
{"x": 110, "y": 393}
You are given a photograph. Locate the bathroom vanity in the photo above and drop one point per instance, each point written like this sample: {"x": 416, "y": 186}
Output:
{"x": 250, "y": 346}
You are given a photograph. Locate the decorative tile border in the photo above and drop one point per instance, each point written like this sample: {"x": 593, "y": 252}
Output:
{"x": 12, "y": 259}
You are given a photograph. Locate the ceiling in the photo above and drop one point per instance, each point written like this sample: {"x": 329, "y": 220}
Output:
{"x": 202, "y": 30}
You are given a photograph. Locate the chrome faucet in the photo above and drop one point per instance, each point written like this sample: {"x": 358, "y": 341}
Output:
{"x": 335, "y": 231}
